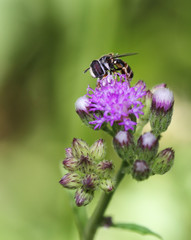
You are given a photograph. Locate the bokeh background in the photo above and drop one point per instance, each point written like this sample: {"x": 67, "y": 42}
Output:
{"x": 44, "y": 47}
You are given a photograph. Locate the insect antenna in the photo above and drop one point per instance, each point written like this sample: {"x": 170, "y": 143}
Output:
{"x": 86, "y": 70}
{"x": 124, "y": 55}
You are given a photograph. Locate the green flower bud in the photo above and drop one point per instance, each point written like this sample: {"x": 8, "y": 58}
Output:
{"x": 83, "y": 197}
{"x": 97, "y": 150}
{"x": 71, "y": 164}
{"x": 163, "y": 162}
{"x": 79, "y": 148}
{"x": 105, "y": 168}
{"x": 90, "y": 182}
{"x": 68, "y": 152}
{"x": 107, "y": 185}
{"x": 147, "y": 146}
{"x": 85, "y": 165}
{"x": 124, "y": 145}
{"x": 71, "y": 181}
{"x": 140, "y": 170}
{"x": 161, "y": 110}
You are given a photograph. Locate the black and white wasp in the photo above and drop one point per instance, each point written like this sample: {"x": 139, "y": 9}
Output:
{"x": 110, "y": 63}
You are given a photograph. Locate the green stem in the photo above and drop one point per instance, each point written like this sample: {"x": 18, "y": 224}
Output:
{"x": 97, "y": 216}
{"x": 80, "y": 217}
{"x": 139, "y": 130}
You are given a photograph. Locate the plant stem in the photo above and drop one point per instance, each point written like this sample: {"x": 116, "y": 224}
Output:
{"x": 97, "y": 216}
{"x": 80, "y": 219}
{"x": 139, "y": 130}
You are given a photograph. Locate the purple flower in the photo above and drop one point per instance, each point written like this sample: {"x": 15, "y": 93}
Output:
{"x": 115, "y": 101}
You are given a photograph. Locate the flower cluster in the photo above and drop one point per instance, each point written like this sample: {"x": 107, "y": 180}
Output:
{"x": 127, "y": 109}
{"x": 88, "y": 170}
{"x": 142, "y": 156}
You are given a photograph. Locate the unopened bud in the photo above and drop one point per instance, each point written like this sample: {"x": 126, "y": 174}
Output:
{"x": 71, "y": 163}
{"x": 147, "y": 146}
{"x": 123, "y": 144}
{"x": 82, "y": 109}
{"x": 163, "y": 99}
{"x": 97, "y": 150}
{"x": 105, "y": 168}
{"x": 79, "y": 148}
{"x": 71, "y": 181}
{"x": 107, "y": 185}
{"x": 85, "y": 164}
{"x": 163, "y": 162}
{"x": 83, "y": 197}
{"x": 68, "y": 152}
{"x": 161, "y": 110}
{"x": 90, "y": 182}
{"x": 141, "y": 170}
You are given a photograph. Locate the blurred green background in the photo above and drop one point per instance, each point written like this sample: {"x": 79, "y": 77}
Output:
{"x": 44, "y": 47}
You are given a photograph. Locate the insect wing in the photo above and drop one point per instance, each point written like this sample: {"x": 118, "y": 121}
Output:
{"x": 97, "y": 68}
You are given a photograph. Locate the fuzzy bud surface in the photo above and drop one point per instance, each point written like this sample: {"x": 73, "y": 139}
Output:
{"x": 161, "y": 110}
{"x": 164, "y": 161}
{"x": 141, "y": 170}
{"x": 147, "y": 146}
{"x": 124, "y": 144}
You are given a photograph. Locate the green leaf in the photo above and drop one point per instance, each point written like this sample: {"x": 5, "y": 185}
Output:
{"x": 136, "y": 228}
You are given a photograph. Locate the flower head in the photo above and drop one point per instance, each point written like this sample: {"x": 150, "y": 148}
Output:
{"x": 141, "y": 170}
{"x": 161, "y": 110}
{"x": 116, "y": 101}
{"x": 124, "y": 144}
{"x": 147, "y": 141}
{"x": 163, "y": 99}
{"x": 147, "y": 146}
{"x": 82, "y": 109}
{"x": 164, "y": 161}
{"x": 82, "y": 105}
